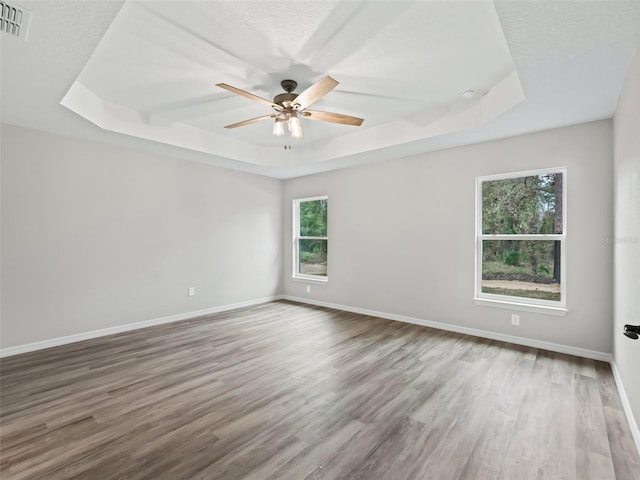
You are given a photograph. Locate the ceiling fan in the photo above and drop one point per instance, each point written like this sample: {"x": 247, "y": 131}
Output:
{"x": 290, "y": 107}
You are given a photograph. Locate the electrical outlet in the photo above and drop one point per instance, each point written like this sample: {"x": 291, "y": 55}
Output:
{"x": 308, "y": 288}
{"x": 192, "y": 291}
{"x": 515, "y": 320}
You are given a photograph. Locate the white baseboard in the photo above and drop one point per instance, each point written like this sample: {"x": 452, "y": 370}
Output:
{"x": 635, "y": 431}
{"x": 554, "y": 347}
{"x": 78, "y": 337}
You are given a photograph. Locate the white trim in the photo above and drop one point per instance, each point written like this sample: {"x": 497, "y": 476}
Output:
{"x": 311, "y": 279}
{"x": 481, "y": 298}
{"x": 527, "y": 307}
{"x": 520, "y": 236}
{"x": 311, "y": 199}
{"x": 553, "y": 347}
{"x": 78, "y": 337}
{"x": 633, "y": 425}
{"x": 519, "y": 301}
{"x": 296, "y": 275}
{"x": 525, "y": 173}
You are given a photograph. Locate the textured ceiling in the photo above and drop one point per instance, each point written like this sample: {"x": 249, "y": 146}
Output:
{"x": 401, "y": 65}
{"x": 148, "y": 69}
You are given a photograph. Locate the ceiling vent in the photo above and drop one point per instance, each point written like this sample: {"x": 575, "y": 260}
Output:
{"x": 13, "y": 19}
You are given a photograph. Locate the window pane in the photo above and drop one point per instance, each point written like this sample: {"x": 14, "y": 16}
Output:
{"x": 522, "y": 268}
{"x": 313, "y": 257}
{"x": 313, "y": 218}
{"x": 523, "y": 205}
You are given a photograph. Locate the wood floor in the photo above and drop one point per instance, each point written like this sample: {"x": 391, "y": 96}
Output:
{"x": 287, "y": 391}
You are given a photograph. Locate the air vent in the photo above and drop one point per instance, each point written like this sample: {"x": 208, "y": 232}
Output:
{"x": 13, "y": 19}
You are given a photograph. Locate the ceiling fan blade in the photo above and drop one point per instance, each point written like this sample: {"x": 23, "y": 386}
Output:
{"x": 314, "y": 93}
{"x": 248, "y": 95}
{"x": 333, "y": 118}
{"x": 250, "y": 121}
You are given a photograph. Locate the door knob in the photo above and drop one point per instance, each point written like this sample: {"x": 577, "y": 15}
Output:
{"x": 632, "y": 331}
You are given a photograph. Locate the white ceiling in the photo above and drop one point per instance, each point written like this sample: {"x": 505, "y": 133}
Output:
{"x": 148, "y": 70}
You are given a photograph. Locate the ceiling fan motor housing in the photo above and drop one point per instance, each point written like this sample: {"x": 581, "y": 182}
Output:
{"x": 285, "y": 99}
{"x": 289, "y": 85}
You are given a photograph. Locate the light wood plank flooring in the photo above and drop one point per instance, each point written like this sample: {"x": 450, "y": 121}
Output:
{"x": 288, "y": 391}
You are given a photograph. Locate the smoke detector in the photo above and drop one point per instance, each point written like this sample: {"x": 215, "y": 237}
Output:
{"x": 13, "y": 19}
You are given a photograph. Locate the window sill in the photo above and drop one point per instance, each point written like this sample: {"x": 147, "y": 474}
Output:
{"x": 527, "y": 307}
{"x": 321, "y": 281}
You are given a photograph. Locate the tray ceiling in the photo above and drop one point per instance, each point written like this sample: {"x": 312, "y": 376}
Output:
{"x": 402, "y": 66}
{"x": 142, "y": 74}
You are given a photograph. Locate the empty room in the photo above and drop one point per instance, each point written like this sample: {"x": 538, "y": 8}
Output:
{"x": 320, "y": 239}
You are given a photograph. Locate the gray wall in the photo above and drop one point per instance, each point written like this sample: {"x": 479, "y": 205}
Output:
{"x": 401, "y": 234}
{"x": 95, "y": 236}
{"x": 626, "y": 352}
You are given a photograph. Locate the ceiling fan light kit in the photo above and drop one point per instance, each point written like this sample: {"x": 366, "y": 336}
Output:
{"x": 295, "y": 127}
{"x": 288, "y": 105}
{"x": 278, "y": 127}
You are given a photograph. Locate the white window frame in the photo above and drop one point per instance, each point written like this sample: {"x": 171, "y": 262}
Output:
{"x": 297, "y": 237}
{"x": 522, "y": 303}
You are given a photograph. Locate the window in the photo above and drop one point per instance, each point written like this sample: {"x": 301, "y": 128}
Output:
{"x": 310, "y": 239}
{"x": 520, "y": 240}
